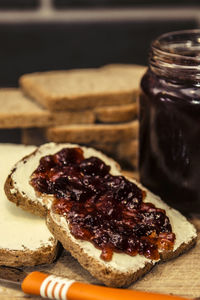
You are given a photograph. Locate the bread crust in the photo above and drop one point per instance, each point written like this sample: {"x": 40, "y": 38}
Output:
{"x": 91, "y": 133}
{"x": 26, "y": 257}
{"x": 114, "y": 114}
{"x": 167, "y": 255}
{"x": 23, "y": 201}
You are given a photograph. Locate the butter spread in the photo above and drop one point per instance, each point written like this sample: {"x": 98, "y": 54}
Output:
{"x": 19, "y": 230}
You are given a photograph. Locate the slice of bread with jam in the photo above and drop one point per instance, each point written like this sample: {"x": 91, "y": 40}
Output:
{"x": 114, "y": 227}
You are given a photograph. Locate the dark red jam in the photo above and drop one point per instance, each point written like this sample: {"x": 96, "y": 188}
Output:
{"x": 170, "y": 140}
{"x": 101, "y": 208}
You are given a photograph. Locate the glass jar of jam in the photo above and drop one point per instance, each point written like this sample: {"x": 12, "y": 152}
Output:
{"x": 169, "y": 114}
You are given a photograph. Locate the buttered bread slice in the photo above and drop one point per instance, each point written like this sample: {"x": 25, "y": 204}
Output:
{"x": 114, "y": 227}
{"x": 25, "y": 239}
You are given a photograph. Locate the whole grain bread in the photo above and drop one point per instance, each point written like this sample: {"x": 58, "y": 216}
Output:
{"x": 115, "y": 114}
{"x": 83, "y": 88}
{"x": 129, "y": 71}
{"x": 25, "y": 239}
{"x": 122, "y": 269}
{"x": 125, "y": 152}
{"x": 57, "y": 118}
{"x": 90, "y": 133}
{"x": 18, "y": 111}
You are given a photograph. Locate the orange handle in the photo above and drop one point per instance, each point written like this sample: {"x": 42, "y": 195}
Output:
{"x": 32, "y": 283}
{"x": 49, "y": 286}
{"x": 83, "y": 291}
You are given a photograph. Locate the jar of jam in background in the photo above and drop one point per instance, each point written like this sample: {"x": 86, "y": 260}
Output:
{"x": 169, "y": 114}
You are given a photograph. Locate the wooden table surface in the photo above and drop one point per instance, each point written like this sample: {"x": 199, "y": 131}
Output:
{"x": 180, "y": 276}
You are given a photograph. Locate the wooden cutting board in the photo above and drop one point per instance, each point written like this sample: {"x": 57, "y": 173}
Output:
{"x": 180, "y": 276}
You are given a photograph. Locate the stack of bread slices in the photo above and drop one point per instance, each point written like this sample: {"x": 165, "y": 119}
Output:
{"x": 91, "y": 107}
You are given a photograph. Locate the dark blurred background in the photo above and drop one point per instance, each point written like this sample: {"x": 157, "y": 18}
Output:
{"x": 41, "y": 35}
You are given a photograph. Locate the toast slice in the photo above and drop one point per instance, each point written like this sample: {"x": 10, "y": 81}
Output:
{"x": 84, "y": 88}
{"x": 91, "y": 133}
{"x": 127, "y": 71}
{"x": 25, "y": 239}
{"x": 18, "y": 111}
{"x": 122, "y": 269}
{"x": 126, "y": 153}
{"x": 115, "y": 114}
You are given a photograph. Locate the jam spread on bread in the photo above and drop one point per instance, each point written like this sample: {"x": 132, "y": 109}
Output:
{"x": 104, "y": 209}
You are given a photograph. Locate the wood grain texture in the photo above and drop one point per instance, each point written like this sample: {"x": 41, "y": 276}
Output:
{"x": 180, "y": 276}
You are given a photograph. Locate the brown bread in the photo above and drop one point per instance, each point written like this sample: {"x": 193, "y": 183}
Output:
{"x": 91, "y": 133}
{"x": 84, "y": 88}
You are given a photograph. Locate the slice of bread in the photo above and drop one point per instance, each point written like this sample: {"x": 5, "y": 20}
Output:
{"x": 84, "y": 88}
{"x": 122, "y": 269}
{"x": 128, "y": 71}
{"x": 18, "y": 111}
{"x": 71, "y": 117}
{"x": 25, "y": 239}
{"x": 84, "y": 134}
{"x": 126, "y": 153}
{"x": 115, "y": 114}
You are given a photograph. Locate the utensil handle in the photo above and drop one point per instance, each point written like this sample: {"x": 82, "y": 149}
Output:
{"x": 47, "y": 286}
{"x": 54, "y": 287}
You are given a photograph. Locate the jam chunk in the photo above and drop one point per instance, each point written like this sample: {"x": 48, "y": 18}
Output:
{"x": 104, "y": 209}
